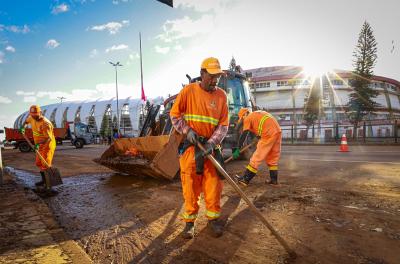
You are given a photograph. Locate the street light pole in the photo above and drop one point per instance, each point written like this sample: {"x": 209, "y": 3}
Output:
{"x": 116, "y": 65}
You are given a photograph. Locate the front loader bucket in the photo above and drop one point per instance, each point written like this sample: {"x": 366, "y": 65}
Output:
{"x": 158, "y": 156}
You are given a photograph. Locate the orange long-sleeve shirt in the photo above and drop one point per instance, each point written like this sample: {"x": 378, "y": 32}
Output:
{"x": 202, "y": 111}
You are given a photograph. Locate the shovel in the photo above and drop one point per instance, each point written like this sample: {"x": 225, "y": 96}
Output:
{"x": 241, "y": 151}
{"x": 290, "y": 251}
{"x": 51, "y": 174}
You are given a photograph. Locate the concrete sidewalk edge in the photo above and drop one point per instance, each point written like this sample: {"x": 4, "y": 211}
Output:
{"x": 70, "y": 247}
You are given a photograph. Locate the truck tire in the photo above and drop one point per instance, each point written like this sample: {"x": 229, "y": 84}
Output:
{"x": 24, "y": 147}
{"x": 79, "y": 143}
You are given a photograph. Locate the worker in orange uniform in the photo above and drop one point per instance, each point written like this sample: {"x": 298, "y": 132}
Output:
{"x": 44, "y": 139}
{"x": 263, "y": 125}
{"x": 201, "y": 113}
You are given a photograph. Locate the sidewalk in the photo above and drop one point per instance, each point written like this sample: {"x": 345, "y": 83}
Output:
{"x": 28, "y": 231}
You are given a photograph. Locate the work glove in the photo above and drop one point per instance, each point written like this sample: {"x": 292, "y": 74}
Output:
{"x": 36, "y": 147}
{"x": 236, "y": 153}
{"x": 192, "y": 137}
{"x": 22, "y": 130}
{"x": 208, "y": 148}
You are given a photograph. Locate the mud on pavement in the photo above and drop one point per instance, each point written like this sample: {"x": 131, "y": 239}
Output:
{"x": 121, "y": 219}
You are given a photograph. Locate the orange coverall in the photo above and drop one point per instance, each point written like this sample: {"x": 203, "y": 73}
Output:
{"x": 264, "y": 125}
{"x": 202, "y": 111}
{"x": 43, "y": 129}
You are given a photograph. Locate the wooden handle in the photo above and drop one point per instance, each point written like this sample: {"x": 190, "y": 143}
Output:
{"x": 37, "y": 152}
{"x": 241, "y": 151}
{"x": 249, "y": 203}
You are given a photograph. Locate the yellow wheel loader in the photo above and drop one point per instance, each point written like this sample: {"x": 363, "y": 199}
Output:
{"x": 155, "y": 152}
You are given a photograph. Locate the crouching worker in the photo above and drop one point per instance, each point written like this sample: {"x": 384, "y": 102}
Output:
{"x": 201, "y": 113}
{"x": 268, "y": 149}
{"x": 45, "y": 142}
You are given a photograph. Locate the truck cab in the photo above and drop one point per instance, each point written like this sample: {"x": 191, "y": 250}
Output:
{"x": 79, "y": 134}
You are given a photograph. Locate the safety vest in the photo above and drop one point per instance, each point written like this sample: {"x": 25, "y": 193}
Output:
{"x": 41, "y": 129}
{"x": 203, "y": 111}
{"x": 261, "y": 122}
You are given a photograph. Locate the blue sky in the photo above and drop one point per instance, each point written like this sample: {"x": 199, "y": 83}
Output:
{"x": 62, "y": 48}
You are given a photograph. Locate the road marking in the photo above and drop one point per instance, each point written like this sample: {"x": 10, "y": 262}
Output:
{"x": 359, "y": 161}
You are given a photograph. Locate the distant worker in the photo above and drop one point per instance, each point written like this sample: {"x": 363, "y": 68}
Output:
{"x": 263, "y": 125}
{"x": 201, "y": 113}
{"x": 45, "y": 142}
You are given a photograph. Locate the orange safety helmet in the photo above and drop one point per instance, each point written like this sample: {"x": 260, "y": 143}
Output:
{"x": 243, "y": 112}
{"x": 35, "y": 110}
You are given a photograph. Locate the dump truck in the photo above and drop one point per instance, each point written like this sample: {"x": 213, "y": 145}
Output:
{"x": 155, "y": 152}
{"x": 77, "y": 133}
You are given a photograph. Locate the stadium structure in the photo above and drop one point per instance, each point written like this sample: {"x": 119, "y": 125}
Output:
{"x": 284, "y": 90}
{"x": 97, "y": 114}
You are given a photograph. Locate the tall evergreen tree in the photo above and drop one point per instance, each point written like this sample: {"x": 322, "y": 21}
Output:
{"x": 105, "y": 126}
{"x": 312, "y": 106}
{"x": 361, "y": 103}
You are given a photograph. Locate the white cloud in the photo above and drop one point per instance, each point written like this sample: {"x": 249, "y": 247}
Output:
{"x": 30, "y": 99}
{"x": 52, "y": 44}
{"x": 162, "y": 50}
{"x": 117, "y": 47}
{"x": 134, "y": 56}
{"x": 186, "y": 28}
{"x": 15, "y": 29}
{"x": 62, "y": 8}
{"x": 201, "y": 6}
{"x": 24, "y": 93}
{"x": 111, "y": 27}
{"x": 93, "y": 53}
{"x": 10, "y": 48}
{"x": 1, "y": 57}
{"x": 116, "y": 2}
{"x": 5, "y": 100}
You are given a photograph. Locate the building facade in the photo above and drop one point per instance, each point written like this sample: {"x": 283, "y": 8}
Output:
{"x": 284, "y": 91}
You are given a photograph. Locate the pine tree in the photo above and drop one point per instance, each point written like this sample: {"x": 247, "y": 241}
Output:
{"x": 361, "y": 103}
{"x": 312, "y": 105}
{"x": 105, "y": 126}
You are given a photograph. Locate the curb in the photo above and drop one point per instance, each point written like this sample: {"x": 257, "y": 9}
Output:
{"x": 69, "y": 246}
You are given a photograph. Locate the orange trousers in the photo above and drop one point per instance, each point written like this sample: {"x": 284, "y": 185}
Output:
{"x": 268, "y": 150}
{"x": 193, "y": 184}
{"x": 47, "y": 152}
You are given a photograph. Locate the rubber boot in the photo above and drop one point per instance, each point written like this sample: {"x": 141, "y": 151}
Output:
{"x": 41, "y": 183}
{"x": 188, "y": 231}
{"x": 215, "y": 228}
{"x": 246, "y": 178}
{"x": 273, "y": 175}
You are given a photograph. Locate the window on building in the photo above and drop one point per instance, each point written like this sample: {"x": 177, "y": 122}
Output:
{"x": 64, "y": 118}
{"x": 53, "y": 117}
{"x": 282, "y": 83}
{"x": 337, "y": 82}
{"x": 78, "y": 115}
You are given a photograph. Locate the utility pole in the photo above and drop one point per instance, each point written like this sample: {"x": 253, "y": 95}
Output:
{"x": 116, "y": 65}
{"x": 61, "y": 99}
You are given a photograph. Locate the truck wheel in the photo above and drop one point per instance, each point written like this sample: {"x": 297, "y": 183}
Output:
{"x": 79, "y": 143}
{"x": 24, "y": 147}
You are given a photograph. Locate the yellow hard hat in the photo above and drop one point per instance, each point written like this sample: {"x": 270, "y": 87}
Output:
{"x": 211, "y": 65}
{"x": 34, "y": 110}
